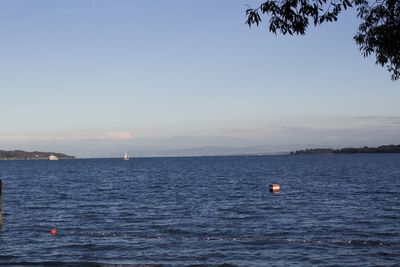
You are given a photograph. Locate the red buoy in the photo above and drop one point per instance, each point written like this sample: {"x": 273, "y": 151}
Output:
{"x": 53, "y": 231}
{"x": 274, "y": 188}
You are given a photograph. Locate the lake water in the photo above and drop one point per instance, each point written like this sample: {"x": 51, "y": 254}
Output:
{"x": 341, "y": 210}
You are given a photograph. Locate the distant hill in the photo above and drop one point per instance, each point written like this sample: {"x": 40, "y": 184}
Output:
{"x": 35, "y": 155}
{"x": 349, "y": 150}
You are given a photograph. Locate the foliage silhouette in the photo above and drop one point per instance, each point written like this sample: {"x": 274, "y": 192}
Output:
{"x": 378, "y": 32}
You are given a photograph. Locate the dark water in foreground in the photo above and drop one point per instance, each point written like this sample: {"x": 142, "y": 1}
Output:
{"x": 332, "y": 211}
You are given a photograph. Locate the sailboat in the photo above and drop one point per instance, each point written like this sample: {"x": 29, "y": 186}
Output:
{"x": 125, "y": 156}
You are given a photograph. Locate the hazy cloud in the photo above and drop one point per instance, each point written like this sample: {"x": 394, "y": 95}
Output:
{"x": 121, "y": 135}
{"x": 384, "y": 120}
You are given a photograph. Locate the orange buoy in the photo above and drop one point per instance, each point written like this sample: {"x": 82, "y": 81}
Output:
{"x": 53, "y": 231}
{"x": 273, "y": 188}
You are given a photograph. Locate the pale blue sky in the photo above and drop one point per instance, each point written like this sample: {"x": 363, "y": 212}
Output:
{"x": 134, "y": 75}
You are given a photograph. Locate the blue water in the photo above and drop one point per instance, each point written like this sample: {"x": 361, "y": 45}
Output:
{"x": 341, "y": 210}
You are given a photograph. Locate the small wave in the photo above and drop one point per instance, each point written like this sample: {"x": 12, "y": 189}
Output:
{"x": 6, "y": 258}
{"x": 179, "y": 232}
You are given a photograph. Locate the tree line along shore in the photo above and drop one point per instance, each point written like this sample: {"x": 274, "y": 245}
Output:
{"x": 348, "y": 150}
{"x": 35, "y": 155}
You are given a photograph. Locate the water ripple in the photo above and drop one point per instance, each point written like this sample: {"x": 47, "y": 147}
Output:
{"x": 214, "y": 211}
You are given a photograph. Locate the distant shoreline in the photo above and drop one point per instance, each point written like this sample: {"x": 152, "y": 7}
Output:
{"x": 35, "y": 155}
{"x": 349, "y": 150}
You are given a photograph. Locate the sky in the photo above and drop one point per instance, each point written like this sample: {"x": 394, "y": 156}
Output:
{"x": 95, "y": 78}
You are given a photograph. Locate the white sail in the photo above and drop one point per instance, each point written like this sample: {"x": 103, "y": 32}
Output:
{"x": 126, "y": 156}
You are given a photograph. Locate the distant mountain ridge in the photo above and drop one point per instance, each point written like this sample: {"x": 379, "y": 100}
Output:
{"x": 35, "y": 155}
